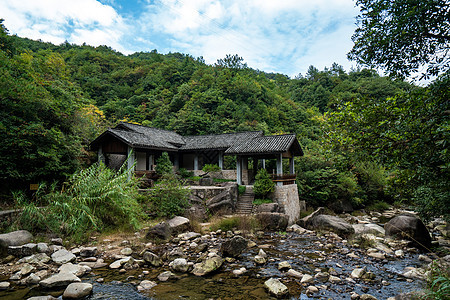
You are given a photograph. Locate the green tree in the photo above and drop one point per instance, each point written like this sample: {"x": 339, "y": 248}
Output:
{"x": 263, "y": 184}
{"x": 403, "y": 36}
{"x": 164, "y": 165}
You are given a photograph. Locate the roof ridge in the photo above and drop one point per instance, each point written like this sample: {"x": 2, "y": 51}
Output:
{"x": 160, "y": 129}
{"x": 215, "y": 134}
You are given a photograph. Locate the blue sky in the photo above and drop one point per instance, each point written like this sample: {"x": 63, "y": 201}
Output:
{"x": 284, "y": 36}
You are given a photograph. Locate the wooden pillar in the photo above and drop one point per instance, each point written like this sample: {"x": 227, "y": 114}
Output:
{"x": 176, "y": 162}
{"x": 101, "y": 157}
{"x": 264, "y": 163}
{"x": 238, "y": 170}
{"x": 130, "y": 162}
{"x": 221, "y": 160}
{"x": 280, "y": 167}
{"x": 291, "y": 165}
{"x": 151, "y": 162}
{"x": 196, "y": 162}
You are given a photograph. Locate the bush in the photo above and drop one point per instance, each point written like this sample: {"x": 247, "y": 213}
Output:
{"x": 243, "y": 223}
{"x": 164, "y": 165}
{"x": 185, "y": 173}
{"x": 372, "y": 179}
{"x": 92, "y": 200}
{"x": 438, "y": 282}
{"x": 241, "y": 189}
{"x": 263, "y": 184}
{"x": 261, "y": 201}
{"x": 210, "y": 168}
{"x": 169, "y": 197}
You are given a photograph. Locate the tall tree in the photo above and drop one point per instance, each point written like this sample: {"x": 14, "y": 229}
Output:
{"x": 403, "y": 36}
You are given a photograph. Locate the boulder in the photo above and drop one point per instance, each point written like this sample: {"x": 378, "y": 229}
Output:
{"x": 221, "y": 204}
{"x": 23, "y": 250}
{"x": 296, "y": 228}
{"x": 88, "y": 251}
{"x": 77, "y": 290}
{"x": 411, "y": 228}
{"x": 14, "y": 238}
{"x": 32, "y": 279}
{"x": 273, "y": 221}
{"x": 119, "y": 263}
{"x": 152, "y": 259}
{"x": 330, "y": 223}
{"x": 42, "y": 248}
{"x": 77, "y": 270}
{"x": 179, "y": 265}
{"x": 189, "y": 235}
{"x": 276, "y": 288}
{"x": 179, "y": 224}
{"x": 146, "y": 285}
{"x": 267, "y": 208}
{"x": 167, "y": 275}
{"x": 206, "y": 181}
{"x": 234, "y": 247}
{"x": 63, "y": 256}
{"x": 4, "y": 285}
{"x": 207, "y": 266}
{"x": 59, "y": 280}
{"x": 374, "y": 229}
{"x": 161, "y": 231}
{"x": 302, "y": 222}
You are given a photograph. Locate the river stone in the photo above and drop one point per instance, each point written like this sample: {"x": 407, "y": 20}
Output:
{"x": 146, "y": 285}
{"x": 276, "y": 288}
{"x": 167, "y": 275}
{"x": 307, "y": 278}
{"x": 126, "y": 251}
{"x": 14, "y": 238}
{"x": 179, "y": 224}
{"x": 296, "y": 228}
{"x": 4, "y": 285}
{"x": 284, "y": 265}
{"x": 77, "y": 270}
{"x": 189, "y": 235}
{"x": 59, "y": 280}
{"x": 234, "y": 247}
{"x": 23, "y": 250}
{"x": 26, "y": 269}
{"x": 57, "y": 241}
{"x": 370, "y": 228}
{"x": 294, "y": 273}
{"x": 302, "y": 222}
{"x": 260, "y": 260}
{"x": 119, "y": 263}
{"x": 239, "y": 271}
{"x": 209, "y": 265}
{"x": 312, "y": 289}
{"x": 273, "y": 221}
{"x": 152, "y": 259}
{"x": 63, "y": 256}
{"x": 322, "y": 276}
{"x": 358, "y": 272}
{"x": 77, "y": 290}
{"x": 160, "y": 231}
{"x": 367, "y": 297}
{"x": 399, "y": 253}
{"x": 377, "y": 255}
{"x": 411, "y": 228}
{"x": 88, "y": 251}
{"x": 32, "y": 279}
{"x": 48, "y": 297}
{"x": 42, "y": 248}
{"x": 179, "y": 265}
{"x": 334, "y": 279}
{"x": 330, "y": 223}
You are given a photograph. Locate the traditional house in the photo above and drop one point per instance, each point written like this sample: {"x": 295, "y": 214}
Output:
{"x": 143, "y": 145}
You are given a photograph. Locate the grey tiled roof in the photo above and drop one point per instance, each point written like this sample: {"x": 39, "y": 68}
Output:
{"x": 156, "y": 133}
{"x": 266, "y": 144}
{"x": 141, "y": 140}
{"x": 218, "y": 141}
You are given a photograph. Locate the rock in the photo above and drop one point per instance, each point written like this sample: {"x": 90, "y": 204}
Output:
{"x": 358, "y": 272}
{"x": 411, "y": 228}
{"x": 26, "y": 269}
{"x": 189, "y": 235}
{"x": 276, "y": 288}
{"x": 261, "y": 259}
{"x": 296, "y": 228}
{"x": 77, "y": 270}
{"x": 179, "y": 224}
{"x": 57, "y": 241}
{"x": 399, "y": 253}
{"x": 209, "y": 265}
{"x": 273, "y": 221}
{"x": 377, "y": 255}
{"x": 48, "y": 297}
{"x": 88, "y": 251}
{"x": 341, "y": 206}
{"x": 161, "y": 231}
{"x": 179, "y": 265}
{"x": 126, "y": 251}
{"x": 167, "y": 275}
{"x": 239, "y": 272}
{"x": 77, "y": 290}
{"x": 294, "y": 273}
{"x": 221, "y": 204}
{"x": 425, "y": 258}
{"x": 146, "y": 285}
{"x": 370, "y": 228}
{"x": 334, "y": 279}
{"x": 152, "y": 259}
{"x": 4, "y": 285}
{"x": 23, "y": 250}
{"x": 307, "y": 279}
{"x": 206, "y": 181}
{"x": 414, "y": 273}
{"x": 59, "y": 280}
{"x": 267, "y": 208}
{"x": 302, "y": 222}
{"x": 367, "y": 297}
{"x": 330, "y": 223}
{"x": 284, "y": 265}
{"x": 63, "y": 256}
{"x": 119, "y": 263}
{"x": 312, "y": 289}
{"x": 42, "y": 248}
{"x": 234, "y": 247}
{"x": 14, "y": 238}
{"x": 32, "y": 279}
{"x": 322, "y": 276}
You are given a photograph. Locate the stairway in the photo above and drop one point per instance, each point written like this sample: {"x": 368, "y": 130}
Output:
{"x": 245, "y": 202}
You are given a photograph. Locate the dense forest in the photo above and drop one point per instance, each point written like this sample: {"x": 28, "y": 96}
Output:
{"x": 367, "y": 138}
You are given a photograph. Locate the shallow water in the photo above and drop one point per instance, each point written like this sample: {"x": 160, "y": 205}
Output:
{"x": 301, "y": 251}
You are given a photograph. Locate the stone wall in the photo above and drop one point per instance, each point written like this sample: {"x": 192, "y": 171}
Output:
{"x": 287, "y": 198}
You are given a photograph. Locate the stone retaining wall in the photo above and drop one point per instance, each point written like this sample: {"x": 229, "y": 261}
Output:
{"x": 287, "y": 198}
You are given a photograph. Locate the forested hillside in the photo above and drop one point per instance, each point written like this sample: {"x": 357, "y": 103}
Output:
{"x": 56, "y": 98}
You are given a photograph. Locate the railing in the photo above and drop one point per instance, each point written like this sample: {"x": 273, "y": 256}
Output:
{"x": 284, "y": 178}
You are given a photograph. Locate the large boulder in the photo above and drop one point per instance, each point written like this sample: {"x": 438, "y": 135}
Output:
{"x": 330, "y": 223}
{"x": 160, "y": 231}
{"x": 179, "y": 224}
{"x": 371, "y": 228}
{"x": 411, "y": 228}
{"x": 273, "y": 221}
{"x": 302, "y": 222}
{"x": 179, "y": 265}
{"x": 63, "y": 256}
{"x": 77, "y": 290}
{"x": 221, "y": 204}
{"x": 59, "y": 280}
{"x": 267, "y": 208}
{"x": 15, "y": 238}
{"x": 207, "y": 266}
{"x": 152, "y": 259}
{"x": 234, "y": 247}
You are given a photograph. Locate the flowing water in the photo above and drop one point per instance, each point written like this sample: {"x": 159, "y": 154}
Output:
{"x": 308, "y": 254}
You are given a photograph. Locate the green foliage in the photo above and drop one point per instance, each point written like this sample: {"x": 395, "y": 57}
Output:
{"x": 438, "y": 282}
{"x": 261, "y": 201}
{"x": 263, "y": 184}
{"x": 185, "y": 173}
{"x": 169, "y": 197}
{"x": 401, "y": 37}
{"x": 243, "y": 223}
{"x": 378, "y": 206}
{"x": 372, "y": 178}
{"x": 164, "y": 165}
{"x": 241, "y": 189}
{"x": 210, "y": 168}
{"x": 94, "y": 199}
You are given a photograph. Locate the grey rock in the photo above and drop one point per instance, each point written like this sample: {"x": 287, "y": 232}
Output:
{"x": 367, "y": 297}
{"x": 119, "y": 263}
{"x": 14, "y": 238}
{"x": 126, "y": 251}
{"x": 294, "y": 273}
{"x": 167, "y": 275}
{"x": 4, "y": 285}
{"x": 206, "y": 181}
{"x": 330, "y": 223}
{"x": 273, "y": 221}
{"x": 88, "y": 251}
{"x": 179, "y": 265}
{"x": 234, "y": 247}
{"x": 297, "y": 229}
{"x": 32, "y": 279}
{"x": 302, "y": 222}
{"x": 221, "y": 204}
{"x": 77, "y": 270}
{"x": 284, "y": 265}
{"x": 48, "y": 297}
{"x": 188, "y": 235}
{"x": 42, "y": 248}
{"x": 409, "y": 227}
{"x": 152, "y": 259}
{"x": 374, "y": 229}
{"x": 57, "y": 241}
{"x": 161, "y": 231}
{"x": 267, "y": 208}
{"x": 207, "y": 266}
{"x": 63, "y": 256}
{"x": 23, "y": 250}
{"x": 59, "y": 280}
{"x": 307, "y": 279}
{"x": 179, "y": 224}
{"x": 275, "y": 287}
{"x": 358, "y": 272}
{"x": 77, "y": 290}
{"x": 26, "y": 269}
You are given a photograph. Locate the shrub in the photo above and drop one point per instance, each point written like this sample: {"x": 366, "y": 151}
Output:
{"x": 164, "y": 165}
{"x": 263, "y": 184}
{"x": 241, "y": 189}
{"x": 169, "y": 197}
{"x": 438, "y": 282}
{"x": 210, "y": 168}
{"x": 372, "y": 179}
{"x": 261, "y": 201}
{"x": 185, "y": 173}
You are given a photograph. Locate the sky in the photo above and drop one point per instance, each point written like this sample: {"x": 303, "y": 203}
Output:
{"x": 281, "y": 36}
